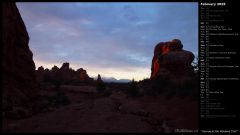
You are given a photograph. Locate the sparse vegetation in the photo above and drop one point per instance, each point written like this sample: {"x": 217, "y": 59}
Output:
{"x": 172, "y": 87}
{"x": 61, "y": 98}
{"x": 133, "y": 89}
{"x": 160, "y": 84}
{"x": 107, "y": 92}
{"x": 58, "y": 99}
{"x": 101, "y": 86}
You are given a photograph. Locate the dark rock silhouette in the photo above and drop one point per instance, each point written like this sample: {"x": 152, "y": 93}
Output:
{"x": 101, "y": 86}
{"x": 170, "y": 57}
{"x": 40, "y": 73}
{"x": 82, "y": 74}
{"x": 172, "y": 70}
{"x": 20, "y": 89}
{"x": 99, "y": 79}
{"x": 65, "y": 66}
{"x": 64, "y": 74}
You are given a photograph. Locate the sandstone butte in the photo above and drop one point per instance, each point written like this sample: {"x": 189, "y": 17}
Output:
{"x": 169, "y": 57}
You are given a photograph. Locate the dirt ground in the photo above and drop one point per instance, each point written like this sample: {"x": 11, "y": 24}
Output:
{"x": 117, "y": 113}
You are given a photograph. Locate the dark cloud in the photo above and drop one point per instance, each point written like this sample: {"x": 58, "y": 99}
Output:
{"x": 109, "y": 38}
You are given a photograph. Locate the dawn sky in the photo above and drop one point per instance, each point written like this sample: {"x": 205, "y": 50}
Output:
{"x": 111, "y": 39}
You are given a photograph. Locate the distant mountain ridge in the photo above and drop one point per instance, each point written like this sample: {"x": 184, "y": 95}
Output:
{"x": 112, "y": 79}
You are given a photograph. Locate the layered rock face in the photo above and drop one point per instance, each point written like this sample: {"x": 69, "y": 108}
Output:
{"x": 19, "y": 81}
{"x": 169, "y": 57}
{"x": 63, "y": 74}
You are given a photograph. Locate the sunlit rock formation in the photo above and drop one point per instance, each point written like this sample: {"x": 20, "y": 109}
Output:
{"x": 169, "y": 57}
{"x": 172, "y": 70}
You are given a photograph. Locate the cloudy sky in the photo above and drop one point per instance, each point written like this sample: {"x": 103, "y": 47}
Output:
{"x": 111, "y": 39}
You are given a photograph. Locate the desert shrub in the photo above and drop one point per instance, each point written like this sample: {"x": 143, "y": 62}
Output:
{"x": 150, "y": 92}
{"x": 160, "y": 85}
{"x": 47, "y": 78}
{"x": 58, "y": 99}
{"x": 107, "y": 92}
{"x": 133, "y": 89}
{"x": 61, "y": 98}
{"x": 189, "y": 89}
{"x": 101, "y": 86}
{"x": 172, "y": 92}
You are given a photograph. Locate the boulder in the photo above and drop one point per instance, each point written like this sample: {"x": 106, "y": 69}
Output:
{"x": 170, "y": 56}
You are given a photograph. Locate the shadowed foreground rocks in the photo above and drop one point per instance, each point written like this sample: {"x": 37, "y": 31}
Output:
{"x": 20, "y": 90}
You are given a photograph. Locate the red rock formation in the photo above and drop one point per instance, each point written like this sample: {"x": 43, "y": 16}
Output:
{"x": 83, "y": 76}
{"x": 20, "y": 88}
{"x": 64, "y": 74}
{"x": 55, "y": 68}
{"x": 41, "y": 69}
{"x": 171, "y": 57}
{"x": 40, "y": 73}
{"x": 65, "y": 66}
